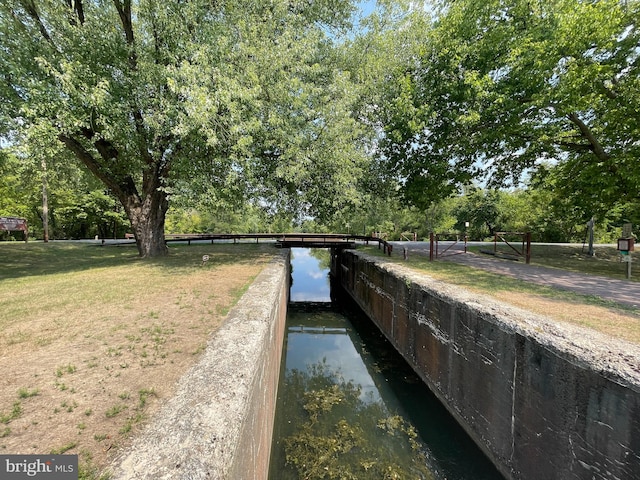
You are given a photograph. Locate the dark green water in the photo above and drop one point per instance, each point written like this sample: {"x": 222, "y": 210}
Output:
{"x": 349, "y": 407}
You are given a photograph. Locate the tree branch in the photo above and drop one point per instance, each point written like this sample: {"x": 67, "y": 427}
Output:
{"x": 30, "y": 7}
{"x": 77, "y": 7}
{"x": 576, "y": 147}
{"x": 124, "y": 10}
{"x": 105, "y": 148}
{"x": 595, "y": 146}
{"x": 609, "y": 93}
{"x": 91, "y": 163}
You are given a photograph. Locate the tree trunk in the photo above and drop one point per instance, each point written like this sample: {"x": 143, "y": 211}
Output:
{"x": 147, "y": 207}
{"x": 147, "y": 220}
{"x": 45, "y": 203}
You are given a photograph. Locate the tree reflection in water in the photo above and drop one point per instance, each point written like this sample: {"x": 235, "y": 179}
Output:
{"x": 340, "y": 434}
{"x": 349, "y": 406}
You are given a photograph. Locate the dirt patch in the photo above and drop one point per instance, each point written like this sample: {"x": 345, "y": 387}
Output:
{"x": 82, "y": 375}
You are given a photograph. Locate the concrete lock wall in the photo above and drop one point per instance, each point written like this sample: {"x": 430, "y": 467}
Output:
{"x": 219, "y": 424}
{"x": 544, "y": 400}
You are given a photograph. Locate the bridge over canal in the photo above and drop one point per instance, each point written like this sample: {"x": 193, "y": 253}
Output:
{"x": 287, "y": 240}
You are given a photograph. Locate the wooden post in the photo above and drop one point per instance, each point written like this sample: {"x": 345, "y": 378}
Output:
{"x": 431, "y": 247}
{"x": 590, "y": 226}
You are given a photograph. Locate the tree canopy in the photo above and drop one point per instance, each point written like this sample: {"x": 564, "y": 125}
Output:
{"x": 297, "y": 110}
{"x": 147, "y": 93}
{"x": 501, "y": 86}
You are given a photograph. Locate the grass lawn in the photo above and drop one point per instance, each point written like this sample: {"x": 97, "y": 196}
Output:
{"x": 606, "y": 261}
{"x": 588, "y": 311}
{"x": 94, "y": 338}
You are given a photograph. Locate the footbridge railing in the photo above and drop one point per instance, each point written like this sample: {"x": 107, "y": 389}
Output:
{"x": 287, "y": 240}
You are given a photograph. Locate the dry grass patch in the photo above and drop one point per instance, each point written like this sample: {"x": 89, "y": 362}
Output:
{"x": 606, "y": 317}
{"x": 615, "y": 322}
{"x": 89, "y": 349}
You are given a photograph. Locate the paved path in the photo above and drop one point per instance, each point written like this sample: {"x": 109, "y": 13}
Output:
{"x": 621, "y": 291}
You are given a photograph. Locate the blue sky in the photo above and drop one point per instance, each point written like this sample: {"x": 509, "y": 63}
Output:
{"x": 310, "y": 282}
{"x": 367, "y": 6}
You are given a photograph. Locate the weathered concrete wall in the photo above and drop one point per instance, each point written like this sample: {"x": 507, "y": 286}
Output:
{"x": 220, "y": 422}
{"x": 544, "y": 400}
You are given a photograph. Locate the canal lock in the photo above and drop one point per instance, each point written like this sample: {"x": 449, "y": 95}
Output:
{"x": 348, "y": 405}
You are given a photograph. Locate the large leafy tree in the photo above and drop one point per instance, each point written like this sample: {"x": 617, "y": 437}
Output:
{"x": 503, "y": 85}
{"x": 145, "y": 93}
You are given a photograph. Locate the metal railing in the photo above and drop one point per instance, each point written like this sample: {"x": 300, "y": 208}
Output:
{"x": 451, "y": 247}
{"x": 313, "y": 240}
{"x": 518, "y": 245}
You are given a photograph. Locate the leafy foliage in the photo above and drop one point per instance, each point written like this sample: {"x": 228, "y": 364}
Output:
{"x": 501, "y": 85}
{"x": 279, "y": 115}
{"x": 79, "y": 207}
{"x": 184, "y": 98}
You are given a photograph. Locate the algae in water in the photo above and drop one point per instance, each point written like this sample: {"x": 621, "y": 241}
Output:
{"x": 344, "y": 435}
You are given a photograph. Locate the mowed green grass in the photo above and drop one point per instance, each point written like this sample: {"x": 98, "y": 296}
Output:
{"x": 606, "y": 263}
{"x": 21, "y": 260}
{"x": 585, "y": 310}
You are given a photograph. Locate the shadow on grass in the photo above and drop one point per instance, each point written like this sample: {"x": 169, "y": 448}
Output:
{"x": 493, "y": 283}
{"x": 18, "y": 260}
{"x": 573, "y": 258}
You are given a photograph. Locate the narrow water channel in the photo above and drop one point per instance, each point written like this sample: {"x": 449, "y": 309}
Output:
{"x": 349, "y": 406}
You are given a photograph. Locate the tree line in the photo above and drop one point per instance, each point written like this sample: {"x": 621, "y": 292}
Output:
{"x": 154, "y": 117}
